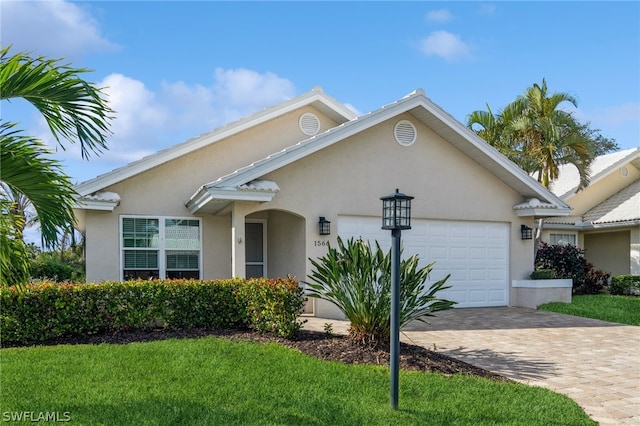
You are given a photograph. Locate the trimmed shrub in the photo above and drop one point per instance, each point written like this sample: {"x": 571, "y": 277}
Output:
{"x": 627, "y": 285}
{"x": 543, "y": 274}
{"x": 273, "y": 306}
{"x": 568, "y": 261}
{"x": 46, "y": 310}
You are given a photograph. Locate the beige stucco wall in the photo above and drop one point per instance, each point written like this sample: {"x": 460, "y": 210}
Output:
{"x": 615, "y": 250}
{"x": 164, "y": 191}
{"x": 351, "y": 176}
{"x": 102, "y": 246}
{"x": 601, "y": 190}
{"x": 348, "y": 177}
{"x": 609, "y": 251}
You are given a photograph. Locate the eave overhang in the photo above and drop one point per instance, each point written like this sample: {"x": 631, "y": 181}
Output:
{"x": 536, "y": 208}
{"x": 213, "y": 199}
{"x": 102, "y": 201}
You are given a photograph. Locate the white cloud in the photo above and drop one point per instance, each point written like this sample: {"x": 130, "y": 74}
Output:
{"x": 439, "y": 15}
{"x": 446, "y": 45}
{"x": 147, "y": 121}
{"x": 51, "y": 28}
{"x": 241, "y": 91}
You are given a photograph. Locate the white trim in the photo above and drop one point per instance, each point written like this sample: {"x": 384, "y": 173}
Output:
{"x": 552, "y": 283}
{"x": 102, "y": 205}
{"x": 400, "y": 136}
{"x": 162, "y": 270}
{"x": 633, "y": 155}
{"x": 205, "y": 195}
{"x": 315, "y": 97}
{"x": 542, "y": 212}
{"x": 306, "y": 119}
{"x": 264, "y": 246}
{"x": 457, "y": 134}
{"x": 568, "y": 233}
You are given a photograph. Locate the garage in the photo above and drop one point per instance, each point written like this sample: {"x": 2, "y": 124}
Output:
{"x": 476, "y": 254}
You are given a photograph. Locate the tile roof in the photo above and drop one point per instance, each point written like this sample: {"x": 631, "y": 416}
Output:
{"x": 568, "y": 179}
{"x": 621, "y": 207}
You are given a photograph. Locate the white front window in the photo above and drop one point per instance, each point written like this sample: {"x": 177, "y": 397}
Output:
{"x": 160, "y": 247}
{"x": 563, "y": 239}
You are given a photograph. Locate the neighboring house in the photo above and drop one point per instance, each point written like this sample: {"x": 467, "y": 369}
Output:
{"x": 605, "y": 220}
{"x": 246, "y": 199}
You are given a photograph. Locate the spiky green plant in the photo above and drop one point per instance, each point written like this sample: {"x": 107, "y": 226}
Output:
{"x": 357, "y": 279}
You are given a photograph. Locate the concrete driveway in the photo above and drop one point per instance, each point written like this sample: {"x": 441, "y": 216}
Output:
{"x": 595, "y": 363}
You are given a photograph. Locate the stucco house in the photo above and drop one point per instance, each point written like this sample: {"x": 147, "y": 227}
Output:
{"x": 246, "y": 199}
{"x": 605, "y": 220}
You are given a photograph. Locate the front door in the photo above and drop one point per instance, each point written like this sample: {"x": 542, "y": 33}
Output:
{"x": 255, "y": 249}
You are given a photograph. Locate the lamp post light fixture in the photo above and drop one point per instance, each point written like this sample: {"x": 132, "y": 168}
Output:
{"x": 396, "y": 216}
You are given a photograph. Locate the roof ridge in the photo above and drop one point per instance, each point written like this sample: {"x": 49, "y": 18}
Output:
{"x": 204, "y": 139}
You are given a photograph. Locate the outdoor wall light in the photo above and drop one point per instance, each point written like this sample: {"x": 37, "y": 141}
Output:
{"x": 527, "y": 233}
{"x": 324, "y": 226}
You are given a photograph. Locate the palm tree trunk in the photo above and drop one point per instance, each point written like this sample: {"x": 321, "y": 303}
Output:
{"x": 538, "y": 237}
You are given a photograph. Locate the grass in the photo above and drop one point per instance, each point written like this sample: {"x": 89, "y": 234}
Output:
{"x": 212, "y": 381}
{"x": 620, "y": 309}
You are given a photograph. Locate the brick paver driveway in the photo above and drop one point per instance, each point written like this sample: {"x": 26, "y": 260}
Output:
{"x": 595, "y": 363}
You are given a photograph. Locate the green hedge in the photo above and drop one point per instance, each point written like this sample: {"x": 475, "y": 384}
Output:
{"x": 47, "y": 310}
{"x": 628, "y": 285}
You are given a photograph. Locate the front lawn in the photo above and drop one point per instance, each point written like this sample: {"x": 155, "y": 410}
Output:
{"x": 213, "y": 381}
{"x": 620, "y": 309}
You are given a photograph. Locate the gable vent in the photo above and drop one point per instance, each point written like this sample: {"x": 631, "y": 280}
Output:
{"x": 405, "y": 133}
{"x": 309, "y": 124}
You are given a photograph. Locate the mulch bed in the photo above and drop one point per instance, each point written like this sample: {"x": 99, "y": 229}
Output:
{"x": 315, "y": 344}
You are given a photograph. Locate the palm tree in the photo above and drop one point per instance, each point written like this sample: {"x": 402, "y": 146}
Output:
{"x": 75, "y": 110}
{"x": 549, "y": 135}
{"x": 21, "y": 207}
{"x": 537, "y": 135}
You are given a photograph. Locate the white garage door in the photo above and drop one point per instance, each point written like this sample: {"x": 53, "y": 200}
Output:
{"x": 476, "y": 254}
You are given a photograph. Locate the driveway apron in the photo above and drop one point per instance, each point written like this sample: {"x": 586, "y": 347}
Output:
{"x": 595, "y": 363}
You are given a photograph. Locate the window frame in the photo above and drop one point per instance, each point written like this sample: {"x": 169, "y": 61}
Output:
{"x": 264, "y": 246}
{"x": 564, "y": 234}
{"x": 161, "y": 249}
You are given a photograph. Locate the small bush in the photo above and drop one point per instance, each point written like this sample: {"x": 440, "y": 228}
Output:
{"x": 543, "y": 274}
{"x": 47, "y": 310}
{"x": 568, "y": 261}
{"x": 627, "y": 285}
{"x": 357, "y": 279}
{"x": 57, "y": 266}
{"x": 273, "y": 306}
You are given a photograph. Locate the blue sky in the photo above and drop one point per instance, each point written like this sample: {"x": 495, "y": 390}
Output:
{"x": 173, "y": 70}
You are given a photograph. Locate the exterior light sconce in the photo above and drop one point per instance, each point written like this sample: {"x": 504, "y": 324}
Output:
{"x": 324, "y": 226}
{"x": 526, "y": 232}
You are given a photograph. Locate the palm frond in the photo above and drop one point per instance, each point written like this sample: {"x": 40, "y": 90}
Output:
{"x": 74, "y": 109}
{"x": 27, "y": 169}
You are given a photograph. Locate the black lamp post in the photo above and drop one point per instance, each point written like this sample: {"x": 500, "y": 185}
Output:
{"x": 396, "y": 216}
